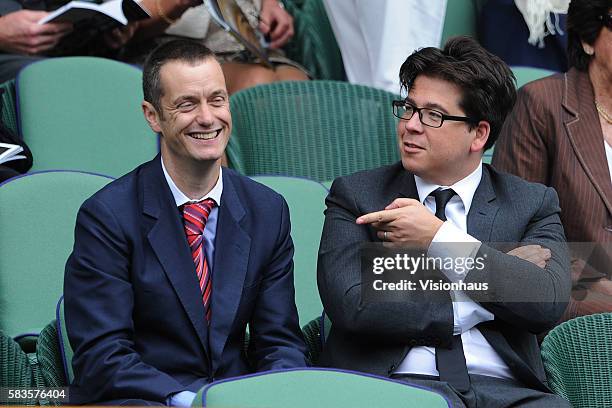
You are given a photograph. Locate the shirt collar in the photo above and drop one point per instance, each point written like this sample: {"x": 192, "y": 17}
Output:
{"x": 180, "y": 198}
{"x": 465, "y": 188}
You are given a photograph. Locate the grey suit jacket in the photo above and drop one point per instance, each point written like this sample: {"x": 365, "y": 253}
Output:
{"x": 375, "y": 337}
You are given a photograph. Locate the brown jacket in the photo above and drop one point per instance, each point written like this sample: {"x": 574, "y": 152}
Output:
{"x": 553, "y": 136}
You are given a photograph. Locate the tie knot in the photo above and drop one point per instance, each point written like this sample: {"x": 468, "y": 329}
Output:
{"x": 195, "y": 216}
{"x": 442, "y": 198}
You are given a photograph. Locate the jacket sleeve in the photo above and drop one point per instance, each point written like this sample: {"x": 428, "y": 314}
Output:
{"x": 418, "y": 315}
{"x": 276, "y": 338}
{"x": 99, "y": 303}
{"x": 520, "y": 293}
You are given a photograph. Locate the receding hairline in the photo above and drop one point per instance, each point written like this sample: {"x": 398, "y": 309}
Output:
{"x": 192, "y": 62}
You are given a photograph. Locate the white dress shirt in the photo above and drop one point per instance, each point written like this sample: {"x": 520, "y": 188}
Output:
{"x": 185, "y": 398}
{"x": 480, "y": 357}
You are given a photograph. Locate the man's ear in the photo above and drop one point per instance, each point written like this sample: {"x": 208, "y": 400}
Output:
{"x": 483, "y": 129}
{"x": 151, "y": 116}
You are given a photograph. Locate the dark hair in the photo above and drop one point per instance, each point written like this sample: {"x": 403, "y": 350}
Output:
{"x": 486, "y": 82}
{"x": 584, "y": 24}
{"x": 185, "y": 50}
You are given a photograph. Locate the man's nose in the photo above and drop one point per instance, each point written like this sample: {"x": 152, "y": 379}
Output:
{"x": 414, "y": 123}
{"x": 205, "y": 116}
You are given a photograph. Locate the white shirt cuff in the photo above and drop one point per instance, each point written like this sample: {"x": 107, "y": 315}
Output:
{"x": 181, "y": 399}
{"x": 451, "y": 242}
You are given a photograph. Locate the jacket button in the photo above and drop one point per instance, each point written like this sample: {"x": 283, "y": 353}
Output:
{"x": 391, "y": 369}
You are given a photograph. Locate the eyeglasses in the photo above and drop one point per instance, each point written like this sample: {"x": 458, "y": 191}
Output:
{"x": 429, "y": 117}
{"x": 606, "y": 20}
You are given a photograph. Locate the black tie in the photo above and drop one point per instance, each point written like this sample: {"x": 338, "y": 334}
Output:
{"x": 450, "y": 362}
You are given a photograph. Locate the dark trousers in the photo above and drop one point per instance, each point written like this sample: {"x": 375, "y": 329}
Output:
{"x": 488, "y": 392}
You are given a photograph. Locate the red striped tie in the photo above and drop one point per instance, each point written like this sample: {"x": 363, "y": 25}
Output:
{"x": 195, "y": 216}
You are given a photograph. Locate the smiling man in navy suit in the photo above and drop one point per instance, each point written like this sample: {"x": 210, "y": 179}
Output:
{"x": 173, "y": 260}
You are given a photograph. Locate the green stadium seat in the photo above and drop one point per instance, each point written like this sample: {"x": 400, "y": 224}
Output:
{"x": 83, "y": 113}
{"x": 314, "y": 44}
{"x": 306, "y": 201}
{"x": 577, "y": 357}
{"x": 307, "y": 388}
{"x": 525, "y": 75}
{"x": 36, "y": 235}
{"x": 461, "y": 18}
{"x": 314, "y": 129}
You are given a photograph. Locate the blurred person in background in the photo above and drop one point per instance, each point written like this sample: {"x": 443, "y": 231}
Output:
{"x": 191, "y": 19}
{"x": 23, "y": 40}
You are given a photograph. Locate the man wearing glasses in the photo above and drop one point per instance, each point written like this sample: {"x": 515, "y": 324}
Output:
{"x": 475, "y": 346}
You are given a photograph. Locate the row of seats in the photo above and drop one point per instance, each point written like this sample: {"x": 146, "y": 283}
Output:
{"x": 40, "y": 209}
{"x": 72, "y": 119}
{"x": 32, "y": 283}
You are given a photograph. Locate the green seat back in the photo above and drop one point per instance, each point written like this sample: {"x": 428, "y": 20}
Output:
{"x": 461, "y": 18}
{"x": 307, "y": 388}
{"x": 315, "y": 129}
{"x": 314, "y": 44}
{"x": 83, "y": 113}
{"x": 49, "y": 357}
{"x": 306, "y": 200}
{"x": 15, "y": 369}
{"x": 66, "y": 351}
{"x": 524, "y": 75}
{"x": 38, "y": 213}
{"x": 7, "y": 105}
{"x": 577, "y": 357}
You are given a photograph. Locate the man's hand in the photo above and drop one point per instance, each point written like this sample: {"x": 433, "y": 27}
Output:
{"x": 20, "y": 32}
{"x": 118, "y": 37}
{"x": 532, "y": 253}
{"x": 405, "y": 221}
{"x": 276, "y": 23}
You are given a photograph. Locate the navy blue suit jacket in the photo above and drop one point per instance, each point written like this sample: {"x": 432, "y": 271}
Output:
{"x": 134, "y": 312}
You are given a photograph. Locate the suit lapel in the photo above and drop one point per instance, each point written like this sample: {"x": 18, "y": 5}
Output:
{"x": 167, "y": 238}
{"x": 483, "y": 210}
{"x": 406, "y": 186}
{"x": 480, "y": 222}
{"x": 585, "y": 135}
{"x": 232, "y": 246}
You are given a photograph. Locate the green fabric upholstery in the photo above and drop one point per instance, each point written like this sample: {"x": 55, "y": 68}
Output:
{"x": 312, "y": 338}
{"x": 36, "y": 235}
{"x": 83, "y": 113}
{"x": 15, "y": 370}
{"x": 7, "y": 105}
{"x": 315, "y": 337}
{"x": 577, "y": 357}
{"x": 66, "y": 351}
{"x": 50, "y": 358}
{"x": 307, "y": 388}
{"x": 524, "y": 75}
{"x": 306, "y": 201}
{"x": 315, "y": 129}
{"x": 314, "y": 44}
